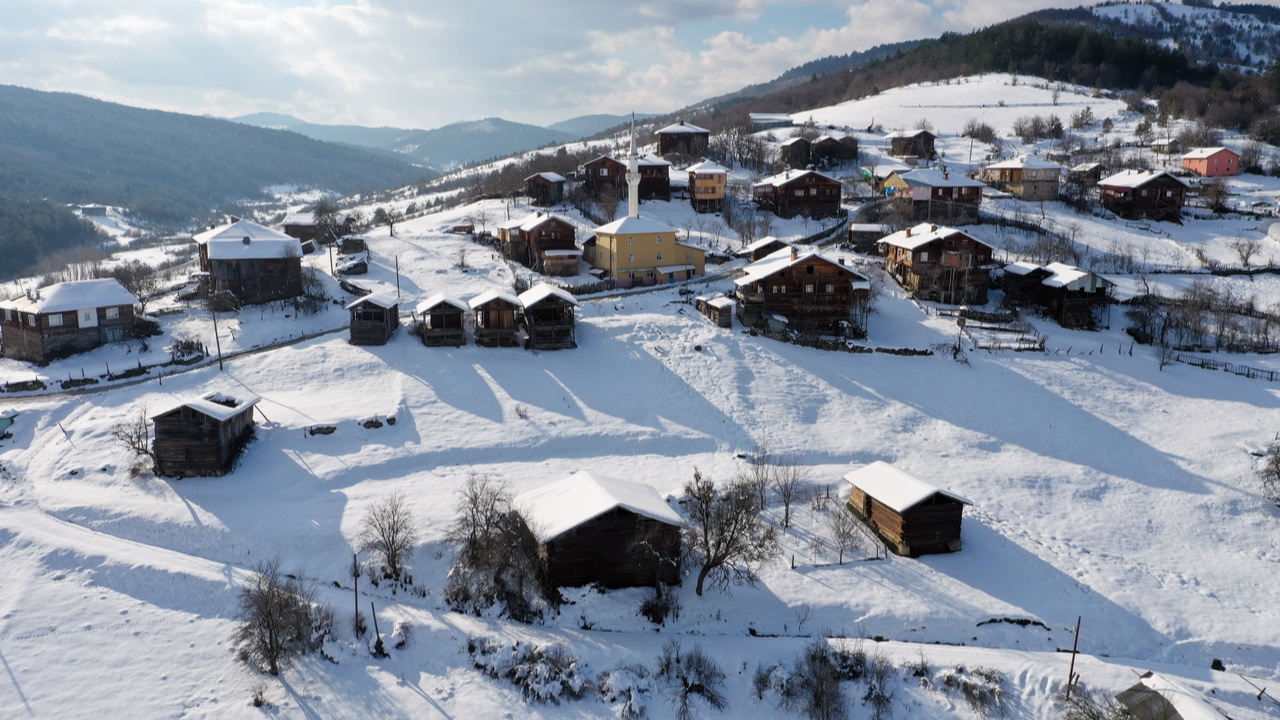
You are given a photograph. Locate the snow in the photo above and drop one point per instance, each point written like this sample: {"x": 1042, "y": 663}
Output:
{"x": 489, "y": 296}
{"x": 69, "y": 296}
{"x": 682, "y": 127}
{"x": 215, "y": 405}
{"x": 247, "y": 240}
{"x": 562, "y": 505}
{"x": 1201, "y": 153}
{"x": 1134, "y": 178}
{"x": 1022, "y": 162}
{"x": 937, "y": 178}
{"x": 634, "y": 225}
{"x": 385, "y": 299}
{"x": 783, "y": 178}
{"x": 542, "y": 291}
{"x": 920, "y": 235}
{"x": 439, "y": 298}
{"x": 897, "y": 490}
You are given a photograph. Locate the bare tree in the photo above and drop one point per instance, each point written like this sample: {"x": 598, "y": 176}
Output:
{"x": 325, "y": 216}
{"x": 279, "y": 619}
{"x": 726, "y": 532}
{"x": 1245, "y": 248}
{"x": 388, "y": 217}
{"x": 787, "y": 478}
{"x": 691, "y": 675}
{"x": 1270, "y": 473}
{"x": 608, "y": 201}
{"x": 134, "y": 433}
{"x": 1215, "y": 193}
{"x": 845, "y": 534}
{"x": 479, "y": 217}
{"x": 138, "y": 278}
{"x": 388, "y": 530}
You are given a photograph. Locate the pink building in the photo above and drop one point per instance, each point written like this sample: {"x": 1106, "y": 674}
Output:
{"x": 1212, "y": 162}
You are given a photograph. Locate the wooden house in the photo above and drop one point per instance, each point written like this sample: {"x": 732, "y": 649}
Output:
{"x": 303, "y": 226}
{"x": 863, "y": 237}
{"x": 604, "y": 175}
{"x": 655, "y": 178}
{"x": 683, "y": 139}
{"x": 1156, "y": 697}
{"x": 1086, "y": 174}
{"x": 828, "y": 152}
{"x": 1165, "y": 146}
{"x": 545, "y": 188}
{"x": 547, "y": 316}
{"x": 1071, "y": 296}
{"x": 814, "y": 292}
{"x": 596, "y": 530}
{"x": 911, "y": 143}
{"x": 374, "y": 318}
{"x": 708, "y": 182}
{"x": 807, "y": 193}
{"x": 935, "y": 195}
{"x": 251, "y": 262}
{"x": 1212, "y": 162}
{"x": 67, "y": 318}
{"x": 939, "y": 263}
{"x": 1142, "y": 194}
{"x": 1028, "y": 178}
{"x": 202, "y": 437}
{"x": 717, "y": 308}
{"x": 639, "y": 251}
{"x": 495, "y": 318}
{"x": 441, "y": 321}
{"x": 911, "y": 516}
{"x": 794, "y": 152}
{"x": 763, "y": 248}
{"x": 541, "y": 242}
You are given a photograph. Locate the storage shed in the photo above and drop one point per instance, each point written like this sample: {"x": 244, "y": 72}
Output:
{"x": 203, "y": 437}
{"x": 495, "y": 313}
{"x": 441, "y": 321}
{"x": 911, "y": 516}
{"x": 548, "y": 317}
{"x": 593, "y": 528}
{"x": 374, "y": 318}
{"x": 717, "y": 308}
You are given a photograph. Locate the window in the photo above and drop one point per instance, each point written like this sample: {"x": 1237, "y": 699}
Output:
{"x": 631, "y": 258}
{"x": 113, "y": 313}
{"x": 31, "y": 320}
{"x": 604, "y": 172}
{"x": 658, "y": 239}
{"x": 808, "y": 269}
{"x": 830, "y": 288}
{"x": 659, "y": 256}
{"x": 55, "y": 320}
{"x": 924, "y": 257}
{"x": 8, "y": 314}
{"x": 800, "y": 193}
{"x": 631, "y": 241}
{"x": 689, "y": 257}
{"x": 808, "y": 288}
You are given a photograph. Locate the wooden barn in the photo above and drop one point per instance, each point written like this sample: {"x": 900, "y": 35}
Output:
{"x": 604, "y": 175}
{"x": 806, "y": 193}
{"x": 302, "y": 225}
{"x": 495, "y": 313}
{"x": 374, "y": 318}
{"x": 547, "y": 316}
{"x": 763, "y": 248}
{"x": 545, "y": 188}
{"x": 442, "y": 321}
{"x": 940, "y": 264}
{"x": 813, "y": 292}
{"x": 203, "y": 437}
{"x": 827, "y": 151}
{"x": 1142, "y": 194}
{"x": 655, "y": 178}
{"x": 794, "y": 152}
{"x": 594, "y": 529}
{"x": 59, "y": 320}
{"x": 684, "y": 139}
{"x": 1071, "y": 296}
{"x": 541, "y": 242}
{"x": 935, "y": 195}
{"x": 717, "y": 308}
{"x": 911, "y": 516}
{"x": 253, "y": 263}
{"x": 911, "y": 143}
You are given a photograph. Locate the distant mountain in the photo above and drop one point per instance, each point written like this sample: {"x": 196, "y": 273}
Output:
{"x": 165, "y": 166}
{"x": 588, "y": 125}
{"x": 456, "y": 144}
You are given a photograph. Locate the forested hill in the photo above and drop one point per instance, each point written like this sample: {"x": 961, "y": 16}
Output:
{"x": 162, "y": 165}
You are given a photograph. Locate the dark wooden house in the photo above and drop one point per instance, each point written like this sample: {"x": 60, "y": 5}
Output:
{"x": 717, "y": 308}
{"x": 763, "y": 248}
{"x": 655, "y": 178}
{"x": 935, "y": 195}
{"x": 203, "y": 437}
{"x": 593, "y": 529}
{"x": 1086, "y": 174}
{"x": 303, "y": 226}
{"x": 812, "y": 291}
{"x": 807, "y": 193}
{"x": 1141, "y": 194}
{"x": 604, "y": 175}
{"x": 939, "y": 263}
{"x": 496, "y": 313}
{"x": 442, "y": 321}
{"x": 794, "y": 152}
{"x": 541, "y": 242}
{"x": 545, "y": 188}
{"x": 547, "y": 316}
{"x": 1026, "y": 177}
{"x": 374, "y": 318}
{"x": 683, "y": 139}
{"x": 67, "y": 318}
{"x": 912, "y": 517}
{"x": 252, "y": 262}
{"x": 1071, "y": 296}
{"x": 828, "y": 152}
{"x": 911, "y": 143}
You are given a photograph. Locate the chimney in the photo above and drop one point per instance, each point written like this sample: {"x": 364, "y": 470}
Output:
{"x": 795, "y": 253}
{"x": 908, "y": 232}
{"x": 245, "y": 240}
{"x": 933, "y": 228}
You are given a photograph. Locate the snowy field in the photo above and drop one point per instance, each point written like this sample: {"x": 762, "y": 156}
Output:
{"x": 1103, "y": 488}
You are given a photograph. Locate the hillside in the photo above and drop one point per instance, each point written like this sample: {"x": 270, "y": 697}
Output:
{"x": 588, "y": 125}
{"x": 162, "y": 165}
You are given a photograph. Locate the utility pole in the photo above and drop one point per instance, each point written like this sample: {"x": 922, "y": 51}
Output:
{"x": 1071, "y": 672}
{"x": 217, "y": 341}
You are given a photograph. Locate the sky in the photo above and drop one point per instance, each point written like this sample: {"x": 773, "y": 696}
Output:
{"x": 424, "y": 64}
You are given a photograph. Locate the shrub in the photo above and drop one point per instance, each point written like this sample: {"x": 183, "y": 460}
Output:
{"x": 813, "y": 687}
{"x": 627, "y": 690}
{"x": 879, "y": 694}
{"x": 388, "y": 531}
{"x": 691, "y": 675}
{"x": 982, "y": 688}
{"x": 543, "y": 673}
{"x": 279, "y": 619}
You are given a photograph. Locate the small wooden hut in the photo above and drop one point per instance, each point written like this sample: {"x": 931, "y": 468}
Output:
{"x": 594, "y": 529}
{"x": 912, "y": 517}
{"x": 548, "y": 317}
{"x": 441, "y": 321}
{"x": 203, "y": 437}
{"x": 545, "y": 188}
{"x": 717, "y": 308}
{"x": 374, "y": 318}
{"x": 495, "y": 313}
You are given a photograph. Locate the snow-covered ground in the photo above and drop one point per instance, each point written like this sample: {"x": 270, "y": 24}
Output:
{"x": 1103, "y": 488}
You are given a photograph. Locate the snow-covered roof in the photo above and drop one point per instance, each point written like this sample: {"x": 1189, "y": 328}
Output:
{"x": 898, "y": 490}
{"x": 1070, "y": 276}
{"x": 634, "y": 225}
{"x": 560, "y": 506}
{"x": 441, "y": 298}
{"x": 1189, "y": 705}
{"x": 490, "y": 296}
{"x": 385, "y": 299}
{"x": 784, "y": 258}
{"x": 708, "y": 167}
{"x": 511, "y": 224}
{"x": 719, "y": 301}
{"x": 673, "y": 268}
{"x": 1135, "y": 178}
{"x": 922, "y": 177}
{"x": 650, "y": 161}
{"x": 793, "y": 141}
{"x": 68, "y": 296}
{"x": 785, "y": 177}
{"x": 683, "y": 127}
{"x": 1021, "y": 268}
{"x": 561, "y": 253}
{"x": 1086, "y": 167}
{"x": 215, "y": 405}
{"x": 533, "y": 221}
{"x": 762, "y": 242}
{"x": 1206, "y": 152}
{"x": 908, "y": 134}
{"x": 542, "y": 291}
{"x": 228, "y": 242}
{"x": 309, "y": 218}
{"x": 548, "y": 176}
{"x": 921, "y": 234}
{"x": 1024, "y": 162}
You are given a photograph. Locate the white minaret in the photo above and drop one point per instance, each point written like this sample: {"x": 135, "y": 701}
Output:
{"x": 633, "y": 175}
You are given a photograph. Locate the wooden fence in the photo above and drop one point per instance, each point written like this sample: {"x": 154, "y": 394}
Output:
{"x": 1233, "y": 368}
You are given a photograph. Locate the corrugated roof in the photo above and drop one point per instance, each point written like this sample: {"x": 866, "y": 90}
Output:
{"x": 77, "y": 295}
{"x": 898, "y": 490}
{"x": 1136, "y": 178}
{"x": 563, "y": 505}
{"x": 1025, "y": 163}
{"x": 922, "y": 177}
{"x": 783, "y": 178}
